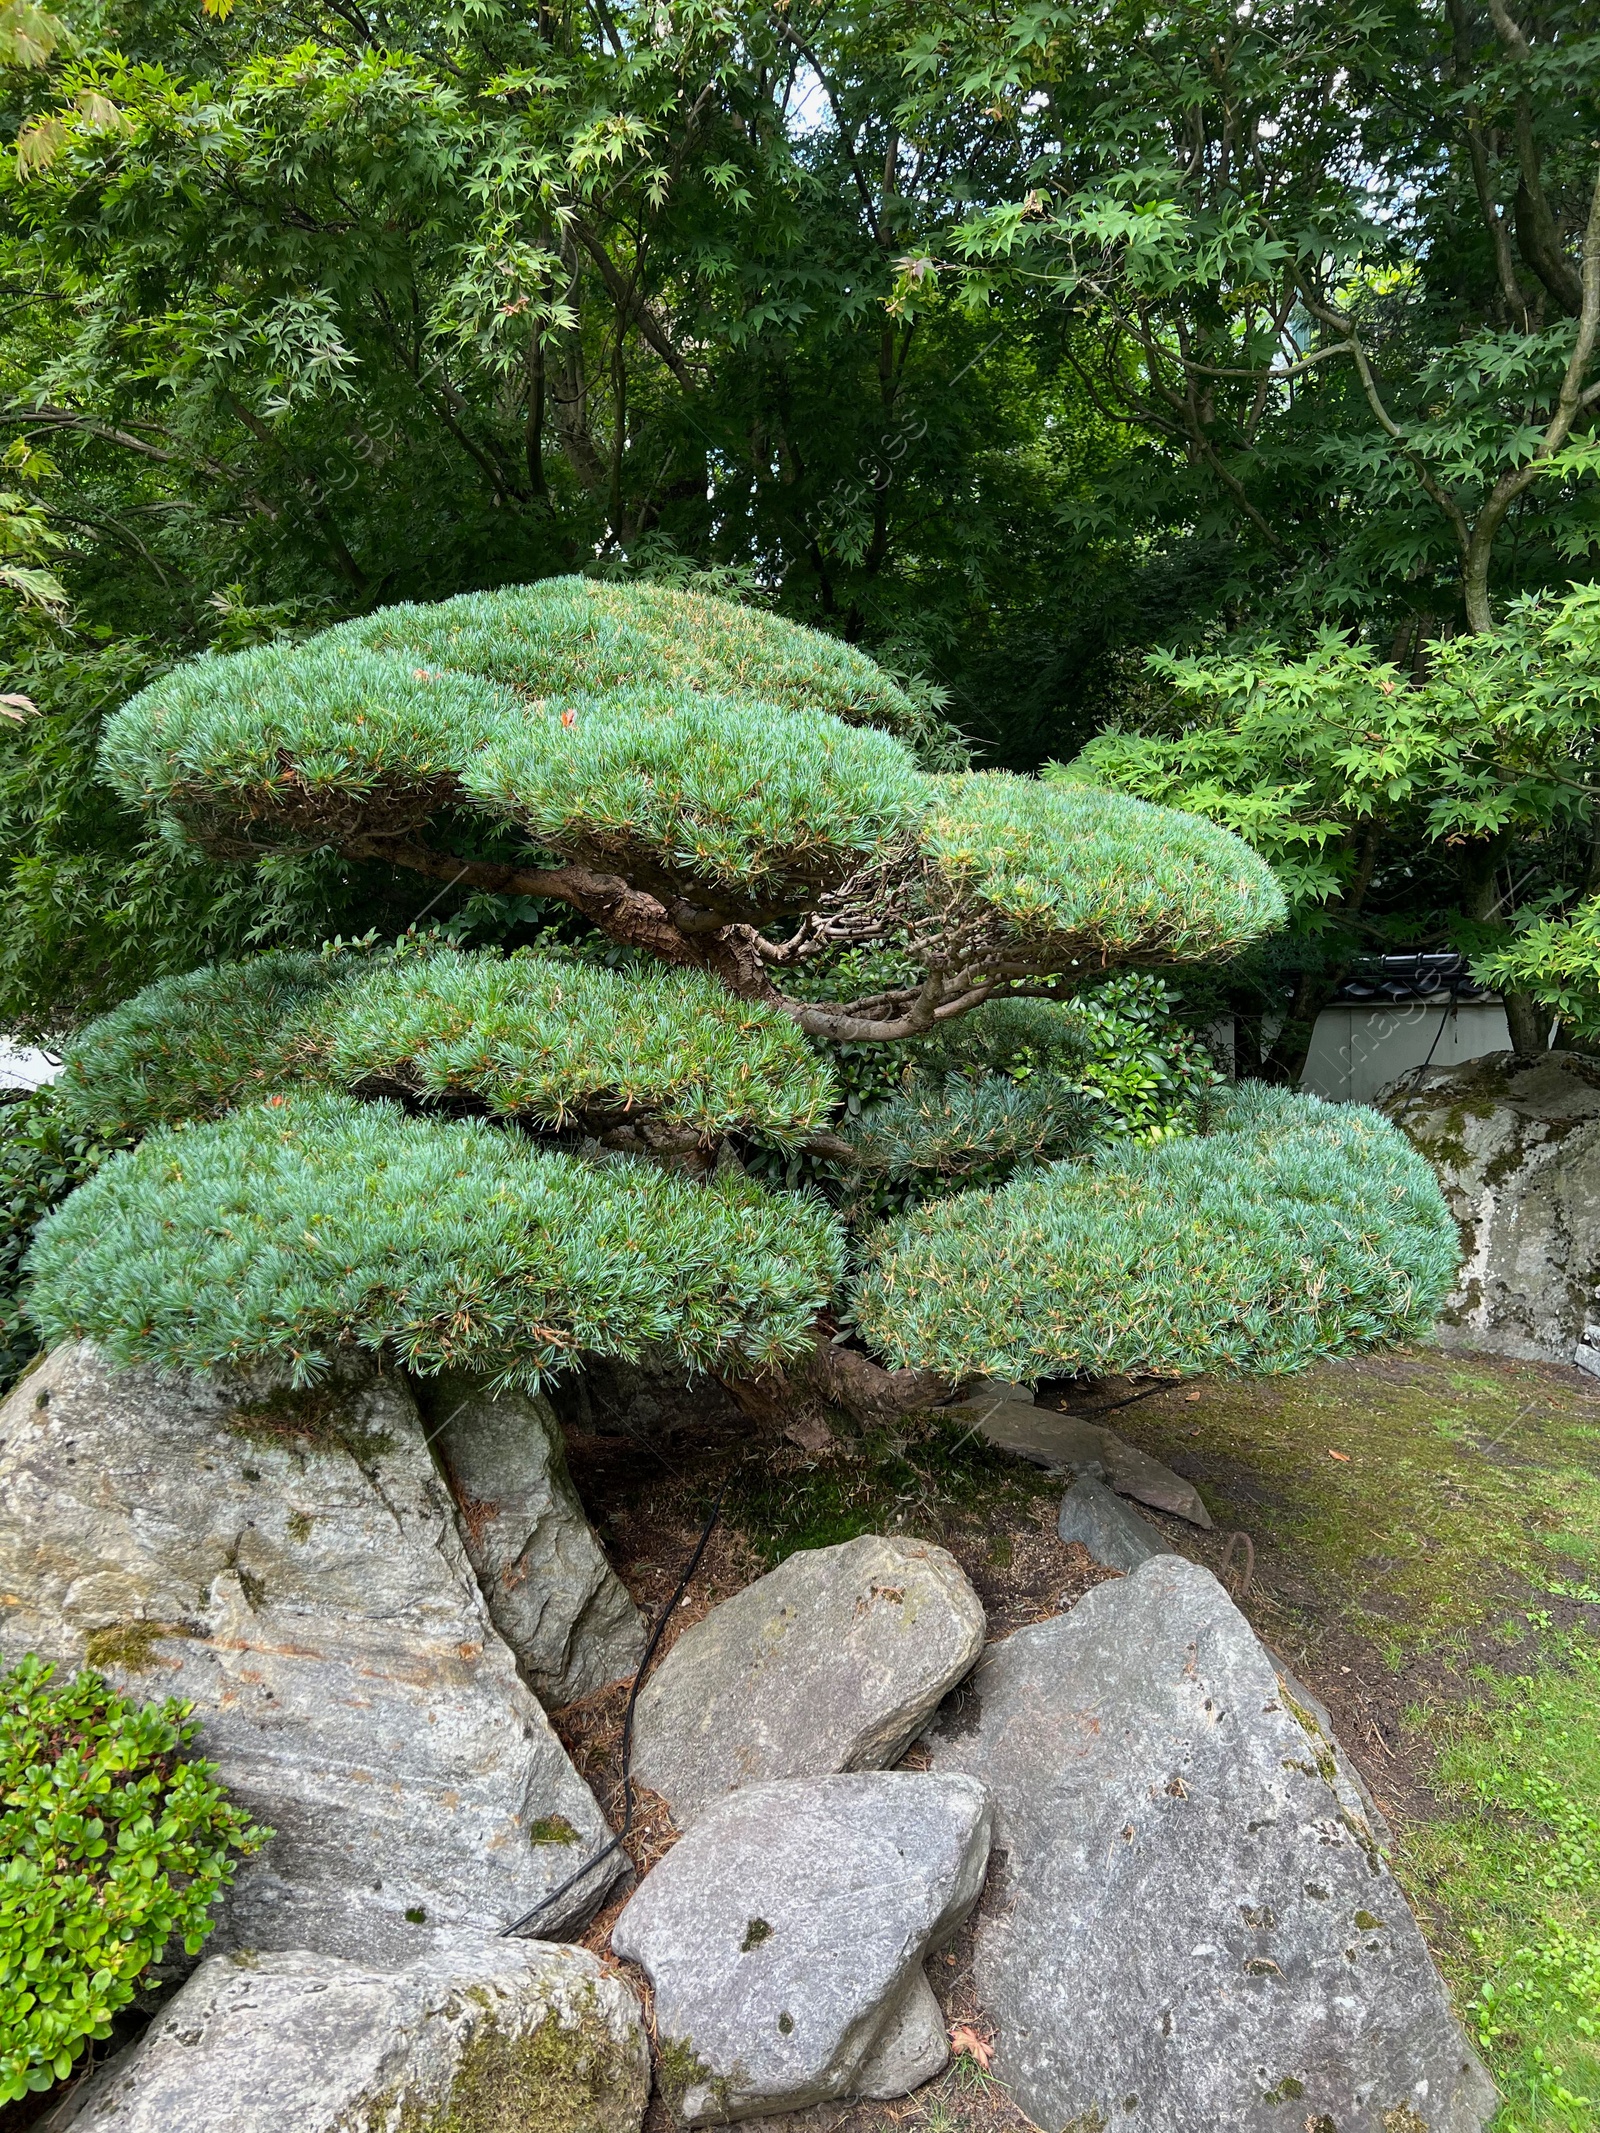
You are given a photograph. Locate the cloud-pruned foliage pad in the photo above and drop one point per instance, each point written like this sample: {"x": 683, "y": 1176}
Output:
{"x": 558, "y": 1042}
{"x": 301, "y": 742}
{"x": 331, "y": 740}
{"x": 720, "y": 795}
{"x": 1003, "y": 1036}
{"x": 955, "y": 1127}
{"x": 1296, "y": 1229}
{"x": 281, "y": 1234}
{"x": 565, "y": 637}
{"x": 192, "y": 1046}
{"x": 1113, "y": 877}
{"x": 697, "y": 751}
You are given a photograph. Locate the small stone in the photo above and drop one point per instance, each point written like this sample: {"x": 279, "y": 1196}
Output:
{"x": 1113, "y": 1534}
{"x": 911, "y": 2048}
{"x": 1189, "y": 1881}
{"x": 1007, "y": 1417}
{"x": 856, "y": 1879}
{"x": 550, "y": 1591}
{"x": 831, "y": 1662}
{"x": 481, "y": 2033}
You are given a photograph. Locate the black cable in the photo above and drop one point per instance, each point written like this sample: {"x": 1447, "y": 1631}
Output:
{"x": 589, "y": 1865}
{"x": 1093, "y": 1414}
{"x": 1417, "y": 1072}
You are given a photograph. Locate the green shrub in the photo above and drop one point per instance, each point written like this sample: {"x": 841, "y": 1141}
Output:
{"x": 112, "y": 1846}
{"x": 1295, "y": 1229}
{"x": 282, "y": 1233}
{"x": 190, "y": 1047}
{"x": 1153, "y": 1074}
{"x": 42, "y": 1158}
{"x": 580, "y": 637}
{"x": 1119, "y": 1041}
{"x": 558, "y": 1042}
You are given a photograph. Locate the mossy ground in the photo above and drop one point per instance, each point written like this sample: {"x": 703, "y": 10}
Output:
{"x": 1426, "y": 1529}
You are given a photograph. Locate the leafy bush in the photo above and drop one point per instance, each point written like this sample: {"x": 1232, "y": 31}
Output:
{"x": 1295, "y": 1229}
{"x": 42, "y": 1158}
{"x": 190, "y": 1047}
{"x": 1119, "y": 1043}
{"x": 282, "y": 1233}
{"x": 112, "y": 1845}
{"x": 1153, "y": 1074}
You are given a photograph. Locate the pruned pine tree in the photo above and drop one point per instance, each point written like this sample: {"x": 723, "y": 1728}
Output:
{"x": 503, "y": 1162}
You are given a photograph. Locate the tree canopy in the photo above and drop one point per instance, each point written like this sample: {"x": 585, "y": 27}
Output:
{"x": 1007, "y": 345}
{"x": 680, "y": 821}
{"x": 776, "y": 876}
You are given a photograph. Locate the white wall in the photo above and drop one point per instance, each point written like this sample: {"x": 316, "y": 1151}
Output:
{"x": 1359, "y": 1048}
{"x": 23, "y": 1068}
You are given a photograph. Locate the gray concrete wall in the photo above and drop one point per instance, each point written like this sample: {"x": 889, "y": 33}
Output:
{"x": 1358, "y": 1049}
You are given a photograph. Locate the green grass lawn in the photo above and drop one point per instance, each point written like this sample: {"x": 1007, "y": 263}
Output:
{"x": 1427, "y": 1534}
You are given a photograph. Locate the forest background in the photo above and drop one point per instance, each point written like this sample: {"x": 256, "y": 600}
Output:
{"x": 1210, "y": 388}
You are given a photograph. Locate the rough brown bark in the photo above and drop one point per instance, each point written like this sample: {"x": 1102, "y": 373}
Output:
{"x": 832, "y": 1380}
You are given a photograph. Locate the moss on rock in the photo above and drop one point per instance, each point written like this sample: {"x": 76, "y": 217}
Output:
{"x": 561, "y": 2077}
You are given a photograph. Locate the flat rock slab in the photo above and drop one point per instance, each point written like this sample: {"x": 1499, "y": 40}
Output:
{"x": 784, "y": 1938}
{"x": 482, "y": 2033}
{"x": 550, "y": 1591}
{"x": 290, "y": 1565}
{"x": 1198, "y": 1928}
{"x": 831, "y": 1662}
{"x": 1006, "y": 1415}
{"x": 1103, "y": 1523}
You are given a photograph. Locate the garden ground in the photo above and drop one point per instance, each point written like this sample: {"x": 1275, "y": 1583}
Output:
{"x": 1426, "y": 1538}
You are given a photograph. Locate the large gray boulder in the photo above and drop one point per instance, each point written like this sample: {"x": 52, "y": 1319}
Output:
{"x": 551, "y": 1593}
{"x": 831, "y": 1662}
{"x": 479, "y": 2034}
{"x": 1516, "y": 1144}
{"x": 784, "y": 1939}
{"x": 290, "y": 1565}
{"x": 1198, "y": 1928}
